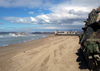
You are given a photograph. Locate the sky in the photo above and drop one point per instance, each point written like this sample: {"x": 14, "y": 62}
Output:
{"x": 44, "y": 15}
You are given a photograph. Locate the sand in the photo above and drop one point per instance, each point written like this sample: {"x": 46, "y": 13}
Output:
{"x": 53, "y": 53}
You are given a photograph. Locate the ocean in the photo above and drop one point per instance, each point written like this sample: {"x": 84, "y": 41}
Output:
{"x": 11, "y": 38}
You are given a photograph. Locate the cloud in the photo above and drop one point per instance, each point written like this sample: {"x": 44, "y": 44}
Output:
{"x": 58, "y": 27}
{"x": 25, "y": 9}
{"x": 68, "y": 14}
{"x": 26, "y": 3}
{"x": 85, "y": 3}
{"x": 48, "y": 3}
{"x": 31, "y": 12}
{"x": 40, "y": 10}
{"x": 25, "y": 20}
{"x": 62, "y": 16}
{"x": 19, "y": 3}
{"x": 33, "y": 19}
{"x": 59, "y": 18}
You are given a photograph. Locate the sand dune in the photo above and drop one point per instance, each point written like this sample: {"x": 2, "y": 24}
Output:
{"x": 54, "y": 53}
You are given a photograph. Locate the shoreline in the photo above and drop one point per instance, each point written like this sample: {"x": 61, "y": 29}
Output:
{"x": 28, "y": 40}
{"x": 19, "y": 47}
{"x": 49, "y": 35}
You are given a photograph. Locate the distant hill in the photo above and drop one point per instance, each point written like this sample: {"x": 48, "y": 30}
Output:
{"x": 43, "y": 32}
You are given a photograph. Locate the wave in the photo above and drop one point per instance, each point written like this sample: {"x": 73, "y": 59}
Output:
{"x": 11, "y": 35}
{"x": 15, "y": 35}
{"x": 1, "y": 36}
{"x": 4, "y": 45}
{"x": 20, "y": 35}
{"x": 43, "y": 36}
{"x": 11, "y": 38}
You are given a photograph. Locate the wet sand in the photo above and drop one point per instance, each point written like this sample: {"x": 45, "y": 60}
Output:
{"x": 53, "y": 53}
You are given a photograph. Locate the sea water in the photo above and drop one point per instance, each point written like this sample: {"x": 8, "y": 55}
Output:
{"x": 11, "y": 38}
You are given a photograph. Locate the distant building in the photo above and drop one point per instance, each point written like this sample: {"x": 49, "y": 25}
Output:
{"x": 65, "y": 32}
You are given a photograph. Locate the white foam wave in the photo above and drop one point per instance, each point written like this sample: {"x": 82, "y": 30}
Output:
{"x": 12, "y": 40}
{"x": 1, "y": 36}
{"x": 14, "y": 35}
{"x": 24, "y": 41}
{"x": 5, "y": 45}
{"x": 11, "y": 34}
{"x": 43, "y": 36}
{"x": 34, "y": 35}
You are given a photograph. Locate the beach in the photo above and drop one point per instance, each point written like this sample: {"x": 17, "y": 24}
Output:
{"x": 53, "y": 53}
